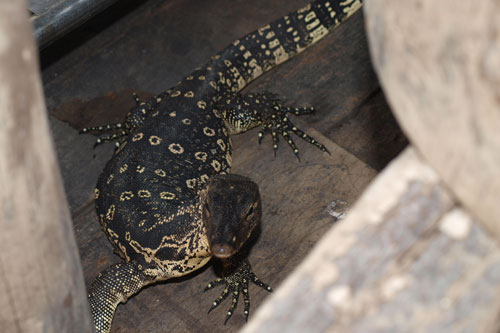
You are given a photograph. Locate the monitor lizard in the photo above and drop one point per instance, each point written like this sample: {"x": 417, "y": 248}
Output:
{"x": 166, "y": 199}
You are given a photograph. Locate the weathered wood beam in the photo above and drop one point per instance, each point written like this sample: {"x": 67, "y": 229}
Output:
{"x": 41, "y": 284}
{"x": 406, "y": 258}
{"x": 439, "y": 66}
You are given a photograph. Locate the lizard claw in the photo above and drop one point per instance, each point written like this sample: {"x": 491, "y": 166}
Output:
{"x": 279, "y": 124}
{"x": 236, "y": 284}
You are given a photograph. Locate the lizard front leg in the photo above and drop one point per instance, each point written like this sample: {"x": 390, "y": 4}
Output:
{"x": 231, "y": 211}
{"x": 134, "y": 118}
{"x": 241, "y": 113}
{"x": 236, "y": 276}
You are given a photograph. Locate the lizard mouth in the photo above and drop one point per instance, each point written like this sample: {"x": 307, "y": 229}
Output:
{"x": 222, "y": 251}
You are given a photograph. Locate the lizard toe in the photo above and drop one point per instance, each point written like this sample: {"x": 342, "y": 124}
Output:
{"x": 236, "y": 283}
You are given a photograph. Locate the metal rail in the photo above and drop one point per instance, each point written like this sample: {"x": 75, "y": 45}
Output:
{"x": 54, "y": 18}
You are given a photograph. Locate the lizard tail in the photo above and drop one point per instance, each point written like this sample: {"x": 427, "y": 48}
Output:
{"x": 263, "y": 49}
{"x": 112, "y": 286}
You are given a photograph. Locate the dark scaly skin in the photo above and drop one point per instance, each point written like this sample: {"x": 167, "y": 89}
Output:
{"x": 166, "y": 199}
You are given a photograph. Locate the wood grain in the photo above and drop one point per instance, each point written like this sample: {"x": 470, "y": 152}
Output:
{"x": 41, "y": 281}
{"x": 406, "y": 258}
{"x": 439, "y": 64}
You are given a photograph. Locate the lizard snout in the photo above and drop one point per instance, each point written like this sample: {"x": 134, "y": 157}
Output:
{"x": 222, "y": 251}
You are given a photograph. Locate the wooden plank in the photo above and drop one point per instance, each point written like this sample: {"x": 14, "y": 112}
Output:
{"x": 41, "y": 280}
{"x": 441, "y": 74}
{"x": 406, "y": 258}
{"x": 160, "y": 42}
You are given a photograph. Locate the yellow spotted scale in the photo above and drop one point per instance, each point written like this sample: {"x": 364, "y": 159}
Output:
{"x": 166, "y": 199}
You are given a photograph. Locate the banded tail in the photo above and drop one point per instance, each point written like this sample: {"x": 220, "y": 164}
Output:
{"x": 263, "y": 49}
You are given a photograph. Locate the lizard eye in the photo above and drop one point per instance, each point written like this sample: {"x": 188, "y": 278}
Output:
{"x": 207, "y": 209}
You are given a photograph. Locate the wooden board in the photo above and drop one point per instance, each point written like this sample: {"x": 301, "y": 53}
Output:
{"x": 406, "y": 258}
{"x": 41, "y": 281}
{"x": 160, "y": 42}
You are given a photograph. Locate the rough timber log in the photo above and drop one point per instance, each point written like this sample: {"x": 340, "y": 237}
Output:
{"x": 439, "y": 65}
{"x": 406, "y": 258}
{"x": 41, "y": 282}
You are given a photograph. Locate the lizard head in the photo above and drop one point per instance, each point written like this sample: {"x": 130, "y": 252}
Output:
{"x": 231, "y": 211}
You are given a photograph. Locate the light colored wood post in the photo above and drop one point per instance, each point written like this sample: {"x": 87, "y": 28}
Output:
{"x": 405, "y": 259}
{"x": 439, "y": 65}
{"x": 41, "y": 282}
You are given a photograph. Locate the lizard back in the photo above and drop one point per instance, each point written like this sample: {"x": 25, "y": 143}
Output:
{"x": 147, "y": 197}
